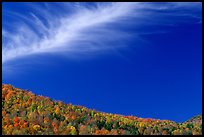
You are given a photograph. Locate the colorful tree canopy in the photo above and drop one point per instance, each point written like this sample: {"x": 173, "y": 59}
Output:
{"x": 24, "y": 113}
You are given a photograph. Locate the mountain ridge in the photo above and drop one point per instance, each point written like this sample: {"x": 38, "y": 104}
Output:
{"x": 24, "y": 112}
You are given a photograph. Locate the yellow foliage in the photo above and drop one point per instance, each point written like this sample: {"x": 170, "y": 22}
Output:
{"x": 36, "y": 127}
{"x": 73, "y": 130}
{"x": 108, "y": 120}
{"x": 10, "y": 126}
{"x": 57, "y": 111}
{"x": 46, "y": 120}
{"x": 28, "y": 119}
{"x": 141, "y": 124}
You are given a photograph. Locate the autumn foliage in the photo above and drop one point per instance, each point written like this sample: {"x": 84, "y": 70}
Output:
{"x": 24, "y": 113}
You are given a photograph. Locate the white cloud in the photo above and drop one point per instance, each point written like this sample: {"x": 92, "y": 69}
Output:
{"x": 65, "y": 30}
{"x": 50, "y": 33}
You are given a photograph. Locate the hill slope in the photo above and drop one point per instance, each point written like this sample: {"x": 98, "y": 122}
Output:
{"x": 197, "y": 119}
{"x": 26, "y": 113}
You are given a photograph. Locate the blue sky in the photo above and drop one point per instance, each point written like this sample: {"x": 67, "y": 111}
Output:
{"x": 141, "y": 58}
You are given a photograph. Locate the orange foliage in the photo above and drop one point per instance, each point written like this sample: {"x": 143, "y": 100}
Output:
{"x": 39, "y": 115}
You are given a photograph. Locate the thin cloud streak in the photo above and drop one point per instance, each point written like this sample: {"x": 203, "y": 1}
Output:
{"x": 27, "y": 42}
{"x": 49, "y": 33}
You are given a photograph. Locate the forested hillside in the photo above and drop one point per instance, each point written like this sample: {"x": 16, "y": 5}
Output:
{"x": 24, "y": 113}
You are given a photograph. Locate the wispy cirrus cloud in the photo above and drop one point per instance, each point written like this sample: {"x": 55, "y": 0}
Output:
{"x": 60, "y": 32}
{"x": 78, "y": 27}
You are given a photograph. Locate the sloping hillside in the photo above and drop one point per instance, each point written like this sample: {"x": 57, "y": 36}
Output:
{"x": 195, "y": 120}
{"x": 26, "y": 113}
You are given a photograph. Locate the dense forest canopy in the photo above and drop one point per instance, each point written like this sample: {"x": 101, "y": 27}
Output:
{"x": 24, "y": 113}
